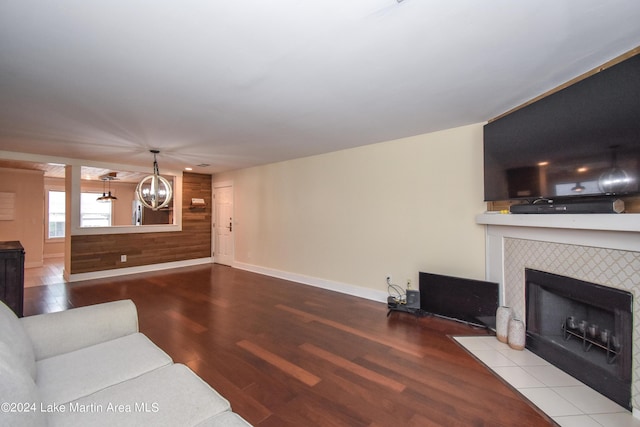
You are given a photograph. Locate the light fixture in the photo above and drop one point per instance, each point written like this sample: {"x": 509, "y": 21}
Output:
{"x": 615, "y": 179}
{"x": 107, "y": 197}
{"x": 154, "y": 191}
{"x": 578, "y": 188}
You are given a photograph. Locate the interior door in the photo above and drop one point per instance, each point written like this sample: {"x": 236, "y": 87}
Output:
{"x": 223, "y": 227}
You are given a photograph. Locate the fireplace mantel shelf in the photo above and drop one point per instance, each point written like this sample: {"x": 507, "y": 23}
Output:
{"x": 605, "y": 222}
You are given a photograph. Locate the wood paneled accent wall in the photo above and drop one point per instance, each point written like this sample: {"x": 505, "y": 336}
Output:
{"x": 102, "y": 252}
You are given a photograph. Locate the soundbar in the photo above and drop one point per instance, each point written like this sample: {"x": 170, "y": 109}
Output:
{"x": 581, "y": 207}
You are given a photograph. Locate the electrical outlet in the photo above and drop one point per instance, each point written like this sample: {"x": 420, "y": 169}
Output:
{"x": 388, "y": 278}
{"x": 123, "y": 258}
{"x": 408, "y": 283}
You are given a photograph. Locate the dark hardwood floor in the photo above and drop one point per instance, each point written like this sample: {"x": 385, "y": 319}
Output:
{"x": 286, "y": 354}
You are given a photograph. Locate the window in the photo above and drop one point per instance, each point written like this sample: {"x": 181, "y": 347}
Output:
{"x": 56, "y": 214}
{"x": 94, "y": 213}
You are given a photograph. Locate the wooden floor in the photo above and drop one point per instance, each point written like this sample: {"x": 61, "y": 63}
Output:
{"x": 286, "y": 354}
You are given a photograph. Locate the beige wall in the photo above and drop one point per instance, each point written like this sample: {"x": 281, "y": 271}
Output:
{"x": 357, "y": 215}
{"x": 27, "y": 227}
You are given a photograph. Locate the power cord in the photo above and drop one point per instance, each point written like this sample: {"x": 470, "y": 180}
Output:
{"x": 397, "y": 300}
{"x": 396, "y": 292}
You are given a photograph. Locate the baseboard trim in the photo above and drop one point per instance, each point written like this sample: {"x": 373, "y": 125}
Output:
{"x": 60, "y": 255}
{"x": 34, "y": 264}
{"x": 344, "y": 288}
{"x": 133, "y": 270}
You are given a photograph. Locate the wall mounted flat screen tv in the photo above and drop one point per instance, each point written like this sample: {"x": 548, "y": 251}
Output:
{"x": 465, "y": 300}
{"x": 583, "y": 140}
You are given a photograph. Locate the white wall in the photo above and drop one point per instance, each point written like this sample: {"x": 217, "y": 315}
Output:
{"x": 352, "y": 217}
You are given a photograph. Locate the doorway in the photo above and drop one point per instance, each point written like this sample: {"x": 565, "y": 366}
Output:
{"x": 223, "y": 226}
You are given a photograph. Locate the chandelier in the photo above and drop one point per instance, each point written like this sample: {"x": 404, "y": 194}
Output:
{"x": 154, "y": 191}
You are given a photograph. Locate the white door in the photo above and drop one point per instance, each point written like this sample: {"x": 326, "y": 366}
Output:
{"x": 223, "y": 226}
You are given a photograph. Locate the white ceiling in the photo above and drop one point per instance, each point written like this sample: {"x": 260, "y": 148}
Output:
{"x": 246, "y": 82}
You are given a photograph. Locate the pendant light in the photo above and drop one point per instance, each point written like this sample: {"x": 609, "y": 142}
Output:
{"x": 107, "y": 198}
{"x": 154, "y": 191}
{"x": 578, "y": 188}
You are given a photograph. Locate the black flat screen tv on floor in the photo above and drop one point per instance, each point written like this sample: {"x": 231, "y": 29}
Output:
{"x": 465, "y": 300}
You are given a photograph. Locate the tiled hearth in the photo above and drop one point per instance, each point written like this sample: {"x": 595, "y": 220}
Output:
{"x": 566, "y": 400}
{"x": 603, "y": 249}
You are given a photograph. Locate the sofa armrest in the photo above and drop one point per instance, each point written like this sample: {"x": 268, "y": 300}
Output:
{"x": 65, "y": 331}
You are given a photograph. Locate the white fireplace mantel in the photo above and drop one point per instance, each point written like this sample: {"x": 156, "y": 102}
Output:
{"x": 607, "y": 231}
{"x": 599, "y": 248}
{"x": 610, "y": 222}
{"x": 610, "y": 231}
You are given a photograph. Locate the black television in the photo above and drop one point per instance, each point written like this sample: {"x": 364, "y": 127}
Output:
{"x": 582, "y": 141}
{"x": 465, "y": 300}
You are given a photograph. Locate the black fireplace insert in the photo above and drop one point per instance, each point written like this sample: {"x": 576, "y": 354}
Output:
{"x": 583, "y": 328}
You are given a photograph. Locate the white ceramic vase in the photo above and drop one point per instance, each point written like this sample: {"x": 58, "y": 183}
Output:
{"x": 503, "y": 315}
{"x": 517, "y": 334}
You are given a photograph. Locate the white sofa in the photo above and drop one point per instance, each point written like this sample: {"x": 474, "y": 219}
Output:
{"x": 90, "y": 366}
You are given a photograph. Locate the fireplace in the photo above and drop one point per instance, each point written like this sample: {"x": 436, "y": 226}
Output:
{"x": 598, "y": 248}
{"x": 583, "y": 328}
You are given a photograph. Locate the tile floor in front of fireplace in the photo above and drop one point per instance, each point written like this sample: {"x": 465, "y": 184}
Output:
{"x": 566, "y": 400}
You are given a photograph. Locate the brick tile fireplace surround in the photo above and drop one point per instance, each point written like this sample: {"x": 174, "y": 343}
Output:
{"x": 598, "y": 248}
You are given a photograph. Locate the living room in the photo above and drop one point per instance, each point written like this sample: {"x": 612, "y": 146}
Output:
{"x": 343, "y": 218}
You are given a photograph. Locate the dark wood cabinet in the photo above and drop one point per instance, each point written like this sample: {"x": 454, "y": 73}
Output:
{"x": 12, "y": 275}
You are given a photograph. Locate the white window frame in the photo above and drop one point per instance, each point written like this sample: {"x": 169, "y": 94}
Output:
{"x": 94, "y": 195}
{"x": 47, "y": 217}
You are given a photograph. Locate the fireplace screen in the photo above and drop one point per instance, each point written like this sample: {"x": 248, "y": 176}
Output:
{"x": 584, "y": 329}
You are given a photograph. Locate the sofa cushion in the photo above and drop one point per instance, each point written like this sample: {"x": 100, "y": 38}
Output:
{"x": 14, "y": 336}
{"x": 18, "y": 393}
{"x": 69, "y": 330}
{"x": 79, "y": 373}
{"x": 170, "y": 396}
